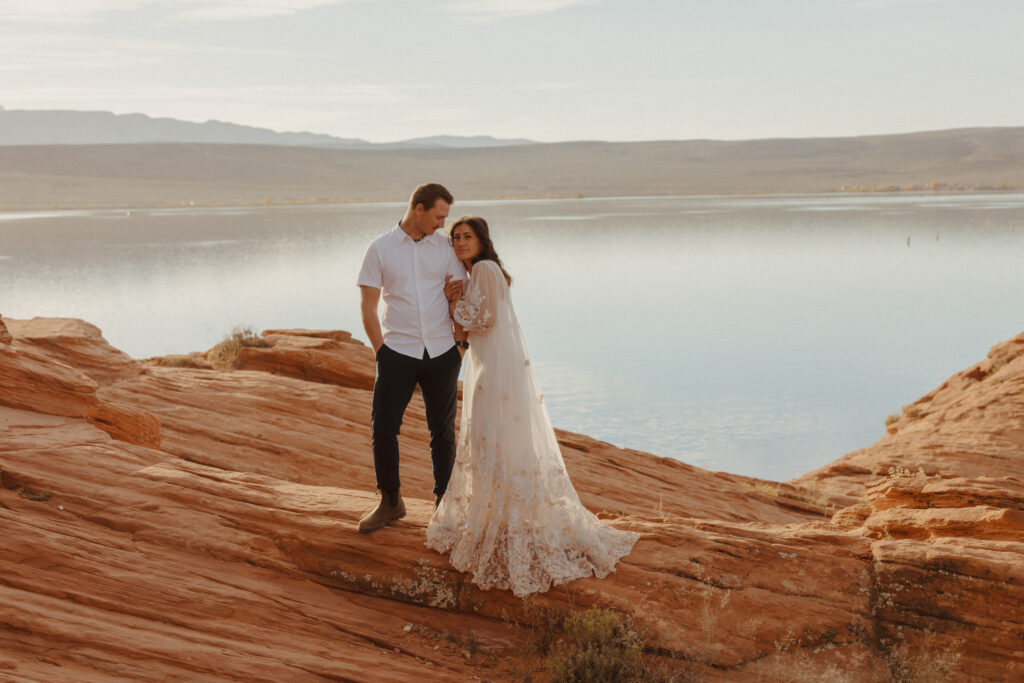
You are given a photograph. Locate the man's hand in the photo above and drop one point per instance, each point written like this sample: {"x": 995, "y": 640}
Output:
{"x": 369, "y": 298}
{"x": 452, "y": 288}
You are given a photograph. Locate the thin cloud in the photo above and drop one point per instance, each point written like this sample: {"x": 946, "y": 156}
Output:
{"x": 64, "y": 11}
{"x": 137, "y": 99}
{"x": 579, "y": 85}
{"x": 36, "y": 51}
{"x": 888, "y": 3}
{"x": 483, "y": 10}
{"x": 227, "y": 10}
{"x": 78, "y": 11}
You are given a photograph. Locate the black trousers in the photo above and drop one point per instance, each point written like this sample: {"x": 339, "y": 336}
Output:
{"x": 397, "y": 377}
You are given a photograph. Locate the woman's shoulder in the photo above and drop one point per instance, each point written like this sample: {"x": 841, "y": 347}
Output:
{"x": 488, "y": 266}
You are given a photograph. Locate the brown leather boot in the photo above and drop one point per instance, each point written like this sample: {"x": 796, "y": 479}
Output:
{"x": 391, "y": 507}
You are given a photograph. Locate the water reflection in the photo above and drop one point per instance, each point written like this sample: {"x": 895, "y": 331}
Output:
{"x": 759, "y": 335}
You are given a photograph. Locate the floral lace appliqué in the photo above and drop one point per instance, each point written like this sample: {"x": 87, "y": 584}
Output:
{"x": 471, "y": 312}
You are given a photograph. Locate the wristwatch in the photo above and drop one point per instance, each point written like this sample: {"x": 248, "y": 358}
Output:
{"x": 462, "y": 344}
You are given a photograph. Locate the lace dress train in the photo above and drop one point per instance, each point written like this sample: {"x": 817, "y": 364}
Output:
{"x": 511, "y": 516}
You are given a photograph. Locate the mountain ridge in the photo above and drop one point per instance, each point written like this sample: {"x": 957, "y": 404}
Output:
{"x": 72, "y": 127}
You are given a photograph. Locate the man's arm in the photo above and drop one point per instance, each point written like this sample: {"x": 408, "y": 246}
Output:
{"x": 369, "y": 299}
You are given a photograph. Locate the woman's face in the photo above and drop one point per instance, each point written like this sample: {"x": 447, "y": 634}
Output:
{"x": 465, "y": 242}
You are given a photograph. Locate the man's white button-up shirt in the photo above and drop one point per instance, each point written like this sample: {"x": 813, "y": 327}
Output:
{"x": 411, "y": 276}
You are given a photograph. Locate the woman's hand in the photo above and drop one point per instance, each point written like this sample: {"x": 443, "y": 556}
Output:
{"x": 452, "y": 288}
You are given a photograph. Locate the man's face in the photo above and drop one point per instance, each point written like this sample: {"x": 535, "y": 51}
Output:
{"x": 432, "y": 219}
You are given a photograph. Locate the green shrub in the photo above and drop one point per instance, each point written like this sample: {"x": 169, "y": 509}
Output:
{"x": 602, "y": 647}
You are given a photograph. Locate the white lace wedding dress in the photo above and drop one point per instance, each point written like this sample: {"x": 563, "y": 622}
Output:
{"x": 510, "y": 516}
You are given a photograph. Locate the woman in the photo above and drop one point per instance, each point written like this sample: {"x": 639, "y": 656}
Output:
{"x": 510, "y": 516}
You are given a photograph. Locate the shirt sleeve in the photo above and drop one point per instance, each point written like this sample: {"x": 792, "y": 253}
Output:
{"x": 455, "y": 267}
{"x": 370, "y": 274}
{"x": 477, "y": 310}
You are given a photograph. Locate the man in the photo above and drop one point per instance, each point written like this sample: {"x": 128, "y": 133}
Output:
{"x": 411, "y": 265}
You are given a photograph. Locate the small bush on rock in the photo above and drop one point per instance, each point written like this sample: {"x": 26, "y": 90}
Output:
{"x": 225, "y": 354}
{"x": 602, "y": 647}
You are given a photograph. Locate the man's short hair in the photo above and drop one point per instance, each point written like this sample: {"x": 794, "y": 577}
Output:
{"x": 428, "y": 194}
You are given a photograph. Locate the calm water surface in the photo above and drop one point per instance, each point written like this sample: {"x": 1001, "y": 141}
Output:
{"x": 758, "y": 335}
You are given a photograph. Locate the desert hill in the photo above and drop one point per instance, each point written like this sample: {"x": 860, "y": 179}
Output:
{"x": 168, "y": 520}
{"x": 64, "y": 127}
{"x": 75, "y": 176}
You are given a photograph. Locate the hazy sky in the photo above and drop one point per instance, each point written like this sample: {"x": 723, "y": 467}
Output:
{"x": 547, "y": 70}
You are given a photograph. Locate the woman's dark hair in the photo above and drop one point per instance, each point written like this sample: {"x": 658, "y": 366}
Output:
{"x": 487, "y": 253}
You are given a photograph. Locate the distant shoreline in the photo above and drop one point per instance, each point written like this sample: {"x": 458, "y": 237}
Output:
{"x": 165, "y": 175}
{"x": 341, "y": 202}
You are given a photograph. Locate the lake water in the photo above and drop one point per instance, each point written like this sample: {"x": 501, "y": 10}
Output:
{"x": 764, "y": 336}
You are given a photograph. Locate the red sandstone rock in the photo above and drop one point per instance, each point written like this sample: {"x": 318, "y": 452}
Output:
{"x": 853, "y": 516}
{"x": 315, "y": 357}
{"x": 972, "y": 425}
{"x": 76, "y": 343}
{"x": 980, "y": 522}
{"x": 227, "y": 550}
{"x": 949, "y": 517}
{"x": 962, "y": 590}
{"x": 126, "y": 424}
{"x": 336, "y": 335}
{"x": 38, "y": 381}
{"x": 935, "y": 492}
{"x": 31, "y": 381}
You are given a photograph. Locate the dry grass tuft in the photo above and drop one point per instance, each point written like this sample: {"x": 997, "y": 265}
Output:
{"x": 924, "y": 661}
{"x": 180, "y": 361}
{"x": 912, "y": 411}
{"x": 544, "y": 626}
{"x": 225, "y": 354}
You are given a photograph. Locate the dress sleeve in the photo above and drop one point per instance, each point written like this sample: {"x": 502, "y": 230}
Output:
{"x": 477, "y": 309}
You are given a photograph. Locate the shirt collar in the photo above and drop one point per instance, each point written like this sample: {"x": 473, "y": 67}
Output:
{"x": 401, "y": 235}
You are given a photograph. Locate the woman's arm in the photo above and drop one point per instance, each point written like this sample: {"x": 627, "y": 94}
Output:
{"x": 476, "y": 311}
{"x": 460, "y": 332}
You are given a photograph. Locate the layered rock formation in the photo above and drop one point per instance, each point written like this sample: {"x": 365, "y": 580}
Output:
{"x": 168, "y": 522}
{"x": 972, "y": 425}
